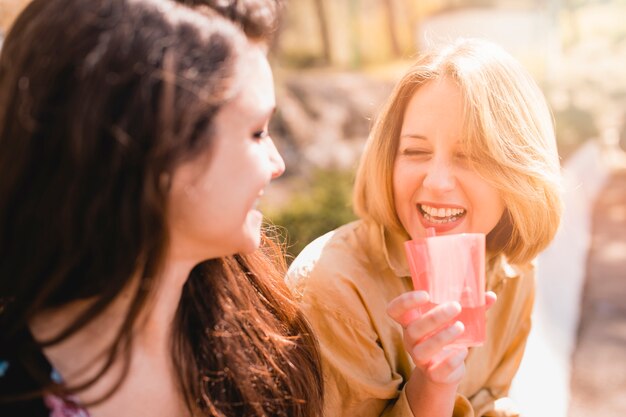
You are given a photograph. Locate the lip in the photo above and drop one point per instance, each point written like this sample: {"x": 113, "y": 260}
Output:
{"x": 257, "y": 200}
{"x": 440, "y": 228}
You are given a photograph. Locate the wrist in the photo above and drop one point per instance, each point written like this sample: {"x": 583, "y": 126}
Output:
{"x": 429, "y": 398}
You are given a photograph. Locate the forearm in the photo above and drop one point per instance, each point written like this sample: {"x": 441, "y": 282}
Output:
{"x": 430, "y": 399}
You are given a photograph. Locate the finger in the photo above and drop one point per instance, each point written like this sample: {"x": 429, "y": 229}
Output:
{"x": 403, "y": 304}
{"x": 490, "y": 299}
{"x": 446, "y": 353}
{"x": 449, "y": 367}
{"x": 429, "y": 322}
{"x": 424, "y": 352}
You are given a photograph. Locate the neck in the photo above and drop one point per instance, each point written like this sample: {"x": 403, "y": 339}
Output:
{"x": 155, "y": 323}
{"x": 81, "y": 356}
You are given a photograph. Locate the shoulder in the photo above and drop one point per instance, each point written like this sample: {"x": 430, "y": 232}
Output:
{"x": 335, "y": 263}
{"x": 339, "y": 251}
{"x": 346, "y": 240}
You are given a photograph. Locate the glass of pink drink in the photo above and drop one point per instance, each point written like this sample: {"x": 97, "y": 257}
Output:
{"x": 452, "y": 268}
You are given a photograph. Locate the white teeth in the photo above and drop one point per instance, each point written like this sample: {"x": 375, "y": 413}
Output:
{"x": 441, "y": 215}
{"x": 431, "y": 210}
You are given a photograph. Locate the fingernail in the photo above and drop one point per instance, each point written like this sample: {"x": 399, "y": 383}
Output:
{"x": 452, "y": 308}
{"x": 457, "y": 328}
{"x": 420, "y": 296}
{"x": 459, "y": 325}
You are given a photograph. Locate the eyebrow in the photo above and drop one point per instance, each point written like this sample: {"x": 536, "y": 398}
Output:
{"x": 413, "y": 136}
{"x": 264, "y": 114}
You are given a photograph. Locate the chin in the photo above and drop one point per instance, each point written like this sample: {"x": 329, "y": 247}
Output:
{"x": 252, "y": 241}
{"x": 250, "y": 248}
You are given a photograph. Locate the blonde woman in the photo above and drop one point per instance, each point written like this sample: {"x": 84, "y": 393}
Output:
{"x": 465, "y": 143}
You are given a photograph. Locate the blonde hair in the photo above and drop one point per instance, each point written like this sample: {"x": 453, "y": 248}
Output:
{"x": 510, "y": 141}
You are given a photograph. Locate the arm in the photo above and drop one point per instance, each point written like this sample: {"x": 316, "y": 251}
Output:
{"x": 431, "y": 389}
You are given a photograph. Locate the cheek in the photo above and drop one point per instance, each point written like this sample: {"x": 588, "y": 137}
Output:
{"x": 404, "y": 186}
{"x": 398, "y": 181}
{"x": 405, "y": 182}
{"x": 494, "y": 206}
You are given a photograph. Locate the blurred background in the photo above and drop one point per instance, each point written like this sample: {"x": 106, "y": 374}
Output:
{"x": 335, "y": 61}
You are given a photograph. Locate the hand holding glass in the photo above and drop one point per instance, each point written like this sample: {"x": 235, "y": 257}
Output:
{"x": 452, "y": 268}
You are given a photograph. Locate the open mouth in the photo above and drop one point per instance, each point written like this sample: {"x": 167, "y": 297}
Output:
{"x": 440, "y": 215}
{"x": 257, "y": 202}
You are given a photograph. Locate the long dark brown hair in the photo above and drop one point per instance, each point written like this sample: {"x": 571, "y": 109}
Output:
{"x": 100, "y": 101}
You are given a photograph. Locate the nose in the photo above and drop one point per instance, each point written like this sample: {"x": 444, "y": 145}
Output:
{"x": 276, "y": 160}
{"x": 439, "y": 177}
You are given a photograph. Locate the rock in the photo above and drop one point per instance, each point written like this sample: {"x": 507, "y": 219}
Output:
{"x": 323, "y": 118}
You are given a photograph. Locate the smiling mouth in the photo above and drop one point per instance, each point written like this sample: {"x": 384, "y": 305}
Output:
{"x": 440, "y": 215}
{"x": 257, "y": 202}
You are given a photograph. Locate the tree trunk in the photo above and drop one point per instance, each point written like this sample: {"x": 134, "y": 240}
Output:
{"x": 393, "y": 34}
{"x": 324, "y": 34}
{"x": 355, "y": 38}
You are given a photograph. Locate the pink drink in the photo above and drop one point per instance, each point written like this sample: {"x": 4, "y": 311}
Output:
{"x": 473, "y": 318}
{"x": 452, "y": 268}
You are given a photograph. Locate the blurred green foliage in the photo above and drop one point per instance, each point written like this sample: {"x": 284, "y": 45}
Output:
{"x": 320, "y": 206}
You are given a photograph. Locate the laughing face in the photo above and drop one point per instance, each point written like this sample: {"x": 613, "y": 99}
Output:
{"x": 213, "y": 200}
{"x": 433, "y": 183}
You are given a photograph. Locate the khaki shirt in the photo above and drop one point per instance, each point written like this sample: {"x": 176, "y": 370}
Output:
{"x": 344, "y": 281}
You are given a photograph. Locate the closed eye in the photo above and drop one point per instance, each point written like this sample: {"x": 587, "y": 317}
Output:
{"x": 415, "y": 152}
{"x": 260, "y": 134}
